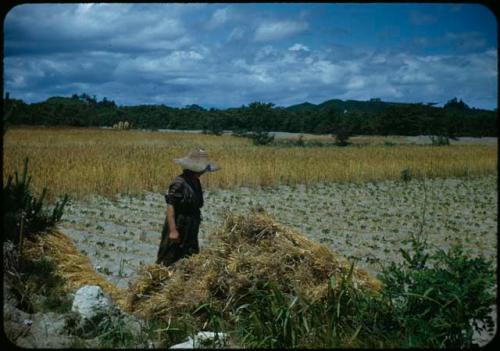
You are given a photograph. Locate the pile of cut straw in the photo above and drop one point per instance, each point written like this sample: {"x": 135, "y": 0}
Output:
{"x": 245, "y": 251}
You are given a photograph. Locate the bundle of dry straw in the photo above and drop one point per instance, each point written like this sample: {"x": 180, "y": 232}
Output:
{"x": 244, "y": 251}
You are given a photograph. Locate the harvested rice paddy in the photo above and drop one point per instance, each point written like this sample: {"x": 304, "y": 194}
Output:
{"x": 365, "y": 222}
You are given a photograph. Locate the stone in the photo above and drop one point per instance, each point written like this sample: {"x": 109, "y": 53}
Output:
{"x": 202, "y": 340}
{"x": 49, "y": 324}
{"x": 91, "y": 303}
{"x": 189, "y": 344}
{"x": 15, "y": 330}
{"x": 204, "y": 337}
{"x": 41, "y": 330}
{"x": 10, "y": 312}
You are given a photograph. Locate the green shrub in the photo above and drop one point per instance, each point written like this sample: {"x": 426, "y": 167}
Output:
{"x": 440, "y": 299}
{"x": 261, "y": 138}
{"x": 238, "y": 132}
{"x": 406, "y": 175}
{"x": 300, "y": 141}
{"x": 113, "y": 332}
{"x": 342, "y": 137}
{"x": 25, "y": 216}
{"x": 440, "y": 140}
{"x": 214, "y": 129}
{"x": 24, "y": 211}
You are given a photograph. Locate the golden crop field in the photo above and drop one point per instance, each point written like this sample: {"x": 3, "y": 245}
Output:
{"x": 81, "y": 161}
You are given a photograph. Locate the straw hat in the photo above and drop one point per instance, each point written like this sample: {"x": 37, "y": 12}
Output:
{"x": 197, "y": 161}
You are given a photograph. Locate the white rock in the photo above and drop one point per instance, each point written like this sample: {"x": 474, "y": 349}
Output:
{"x": 202, "y": 338}
{"x": 90, "y": 302}
{"x": 189, "y": 344}
{"x": 205, "y": 336}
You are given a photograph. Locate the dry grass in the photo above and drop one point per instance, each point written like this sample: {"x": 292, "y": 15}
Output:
{"x": 85, "y": 161}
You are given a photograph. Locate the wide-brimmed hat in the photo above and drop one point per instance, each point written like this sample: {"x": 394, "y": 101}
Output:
{"x": 197, "y": 161}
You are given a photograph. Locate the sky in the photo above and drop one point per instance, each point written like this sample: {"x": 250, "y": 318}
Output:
{"x": 228, "y": 55}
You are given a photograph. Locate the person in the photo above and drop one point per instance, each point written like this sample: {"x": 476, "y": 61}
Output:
{"x": 184, "y": 197}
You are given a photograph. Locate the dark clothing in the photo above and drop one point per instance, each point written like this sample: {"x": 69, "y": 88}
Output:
{"x": 186, "y": 196}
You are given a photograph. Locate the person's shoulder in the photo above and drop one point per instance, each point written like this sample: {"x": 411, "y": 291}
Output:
{"x": 177, "y": 183}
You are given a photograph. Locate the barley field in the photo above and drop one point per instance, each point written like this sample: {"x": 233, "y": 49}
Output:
{"x": 81, "y": 161}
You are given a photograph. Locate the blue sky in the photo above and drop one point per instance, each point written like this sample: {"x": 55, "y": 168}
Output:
{"x": 227, "y": 55}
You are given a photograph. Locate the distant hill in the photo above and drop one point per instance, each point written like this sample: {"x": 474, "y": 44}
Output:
{"x": 59, "y": 100}
{"x": 306, "y": 106}
{"x": 373, "y": 105}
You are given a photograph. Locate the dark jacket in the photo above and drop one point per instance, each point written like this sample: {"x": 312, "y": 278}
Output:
{"x": 186, "y": 196}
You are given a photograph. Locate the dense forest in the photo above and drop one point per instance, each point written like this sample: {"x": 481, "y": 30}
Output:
{"x": 378, "y": 117}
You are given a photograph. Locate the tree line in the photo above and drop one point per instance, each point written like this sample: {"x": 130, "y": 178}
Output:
{"x": 373, "y": 117}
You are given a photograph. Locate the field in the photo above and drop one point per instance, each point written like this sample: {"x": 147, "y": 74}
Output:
{"x": 96, "y": 161}
{"x": 368, "y": 223}
{"x": 351, "y": 199}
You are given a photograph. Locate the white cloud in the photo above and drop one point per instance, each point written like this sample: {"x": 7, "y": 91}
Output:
{"x": 17, "y": 82}
{"x": 412, "y": 72}
{"x": 219, "y": 17}
{"x": 186, "y": 55}
{"x": 83, "y": 8}
{"x": 278, "y": 30}
{"x": 236, "y": 34}
{"x": 266, "y": 52}
{"x": 167, "y": 28}
{"x": 298, "y": 47}
{"x": 177, "y": 63}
